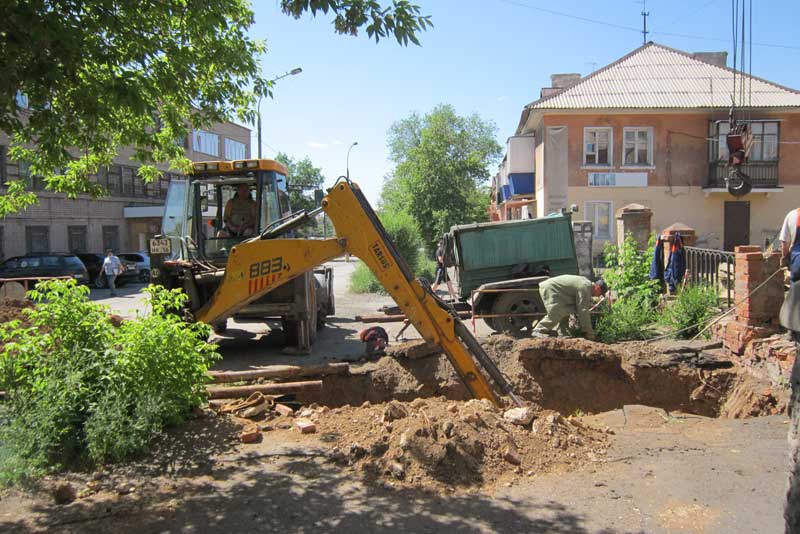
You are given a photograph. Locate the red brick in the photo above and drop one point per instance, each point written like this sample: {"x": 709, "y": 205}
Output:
{"x": 747, "y": 248}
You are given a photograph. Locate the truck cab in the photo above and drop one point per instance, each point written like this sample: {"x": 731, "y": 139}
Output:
{"x": 219, "y": 205}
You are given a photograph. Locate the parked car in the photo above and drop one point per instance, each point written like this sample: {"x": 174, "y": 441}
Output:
{"x": 142, "y": 261}
{"x": 45, "y": 265}
{"x": 94, "y": 265}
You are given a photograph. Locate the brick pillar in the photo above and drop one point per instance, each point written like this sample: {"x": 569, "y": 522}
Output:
{"x": 757, "y": 315}
{"x": 752, "y": 268}
{"x": 634, "y": 219}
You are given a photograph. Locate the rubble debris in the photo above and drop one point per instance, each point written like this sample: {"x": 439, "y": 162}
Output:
{"x": 394, "y": 410}
{"x": 305, "y": 426}
{"x": 511, "y": 454}
{"x": 250, "y": 434}
{"x": 64, "y": 493}
{"x": 284, "y": 410}
{"x": 232, "y": 392}
{"x": 519, "y": 416}
{"x": 413, "y": 350}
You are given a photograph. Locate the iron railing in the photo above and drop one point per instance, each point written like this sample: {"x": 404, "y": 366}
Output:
{"x": 763, "y": 174}
{"x": 715, "y": 268}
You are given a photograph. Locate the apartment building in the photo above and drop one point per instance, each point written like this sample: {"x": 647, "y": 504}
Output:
{"x": 650, "y": 129}
{"x": 124, "y": 220}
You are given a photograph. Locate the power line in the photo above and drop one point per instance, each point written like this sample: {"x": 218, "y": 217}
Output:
{"x": 518, "y": 3}
{"x": 570, "y": 16}
{"x": 690, "y": 14}
{"x": 719, "y": 39}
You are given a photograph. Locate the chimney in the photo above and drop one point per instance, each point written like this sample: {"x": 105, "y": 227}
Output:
{"x": 548, "y": 91}
{"x": 720, "y": 59}
{"x": 562, "y": 81}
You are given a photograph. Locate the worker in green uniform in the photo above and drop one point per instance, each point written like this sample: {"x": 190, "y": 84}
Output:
{"x": 567, "y": 295}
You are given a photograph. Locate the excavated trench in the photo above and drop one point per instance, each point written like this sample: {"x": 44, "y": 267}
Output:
{"x": 570, "y": 376}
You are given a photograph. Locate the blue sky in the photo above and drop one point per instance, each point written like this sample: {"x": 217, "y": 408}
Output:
{"x": 490, "y": 57}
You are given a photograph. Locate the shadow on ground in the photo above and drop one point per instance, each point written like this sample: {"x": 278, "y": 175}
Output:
{"x": 303, "y": 496}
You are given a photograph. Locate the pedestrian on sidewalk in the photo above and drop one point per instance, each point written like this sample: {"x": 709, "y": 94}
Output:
{"x": 564, "y": 296}
{"x": 441, "y": 270}
{"x": 112, "y": 268}
{"x": 790, "y": 319}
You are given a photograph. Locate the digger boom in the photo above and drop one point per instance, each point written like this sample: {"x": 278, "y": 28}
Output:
{"x": 257, "y": 266}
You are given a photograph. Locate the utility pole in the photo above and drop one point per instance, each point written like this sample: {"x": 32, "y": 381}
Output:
{"x": 293, "y": 72}
{"x": 645, "y": 14}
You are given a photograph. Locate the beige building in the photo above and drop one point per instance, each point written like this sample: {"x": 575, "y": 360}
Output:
{"x": 651, "y": 129}
{"x": 124, "y": 220}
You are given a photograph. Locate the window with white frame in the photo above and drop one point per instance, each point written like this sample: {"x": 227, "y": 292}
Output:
{"x": 765, "y": 140}
{"x": 234, "y": 149}
{"x": 206, "y": 142}
{"x": 597, "y": 146}
{"x": 637, "y": 147}
{"x": 599, "y": 213}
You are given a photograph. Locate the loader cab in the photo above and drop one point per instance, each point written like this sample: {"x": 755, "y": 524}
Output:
{"x": 222, "y": 204}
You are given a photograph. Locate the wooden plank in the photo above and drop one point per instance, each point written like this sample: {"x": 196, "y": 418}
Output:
{"x": 383, "y": 318}
{"x": 280, "y": 371}
{"x": 233, "y": 392}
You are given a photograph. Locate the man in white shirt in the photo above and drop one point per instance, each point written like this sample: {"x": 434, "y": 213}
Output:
{"x": 112, "y": 267}
{"x": 788, "y": 234}
{"x": 790, "y": 314}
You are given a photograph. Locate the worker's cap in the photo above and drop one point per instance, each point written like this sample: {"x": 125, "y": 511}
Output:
{"x": 603, "y": 286}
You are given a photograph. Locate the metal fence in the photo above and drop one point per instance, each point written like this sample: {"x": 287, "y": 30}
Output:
{"x": 715, "y": 268}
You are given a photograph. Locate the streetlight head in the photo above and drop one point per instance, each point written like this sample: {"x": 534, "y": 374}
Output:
{"x": 296, "y": 70}
{"x": 355, "y": 143}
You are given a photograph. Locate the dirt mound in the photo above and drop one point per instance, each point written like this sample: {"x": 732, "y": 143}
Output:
{"x": 11, "y": 309}
{"x": 448, "y": 444}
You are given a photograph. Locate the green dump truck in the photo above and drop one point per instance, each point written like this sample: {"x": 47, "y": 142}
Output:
{"x": 499, "y": 265}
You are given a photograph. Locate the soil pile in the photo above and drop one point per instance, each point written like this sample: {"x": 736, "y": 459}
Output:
{"x": 449, "y": 444}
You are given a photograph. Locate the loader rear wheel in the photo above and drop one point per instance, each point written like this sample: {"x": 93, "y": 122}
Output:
{"x": 517, "y": 306}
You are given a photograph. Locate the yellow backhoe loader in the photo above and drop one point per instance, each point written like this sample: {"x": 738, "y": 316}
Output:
{"x": 269, "y": 259}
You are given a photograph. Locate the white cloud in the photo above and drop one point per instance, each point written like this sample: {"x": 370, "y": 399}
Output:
{"x": 317, "y": 145}
{"x": 501, "y": 98}
{"x": 336, "y": 142}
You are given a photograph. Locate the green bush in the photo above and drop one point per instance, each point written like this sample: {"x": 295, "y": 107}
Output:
{"x": 363, "y": 281}
{"x": 628, "y": 271}
{"x": 692, "y": 309}
{"x": 628, "y": 319}
{"x": 405, "y": 235}
{"x": 80, "y": 389}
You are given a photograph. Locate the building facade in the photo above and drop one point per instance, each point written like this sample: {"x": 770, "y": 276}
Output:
{"x": 124, "y": 220}
{"x": 651, "y": 129}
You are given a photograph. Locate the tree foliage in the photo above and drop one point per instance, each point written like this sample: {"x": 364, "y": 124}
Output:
{"x": 99, "y": 75}
{"x": 303, "y": 178}
{"x": 442, "y": 163}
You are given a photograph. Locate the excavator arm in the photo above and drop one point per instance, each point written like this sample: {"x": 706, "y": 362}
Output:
{"x": 257, "y": 266}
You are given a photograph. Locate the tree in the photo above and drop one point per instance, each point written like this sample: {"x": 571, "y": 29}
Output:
{"x": 303, "y": 179}
{"x": 98, "y": 75}
{"x": 442, "y": 167}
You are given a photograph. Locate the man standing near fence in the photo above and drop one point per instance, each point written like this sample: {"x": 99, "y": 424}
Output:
{"x": 790, "y": 319}
{"x": 112, "y": 267}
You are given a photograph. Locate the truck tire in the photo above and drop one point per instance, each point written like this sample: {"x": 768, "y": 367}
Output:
{"x": 289, "y": 327}
{"x": 100, "y": 281}
{"x": 516, "y": 303}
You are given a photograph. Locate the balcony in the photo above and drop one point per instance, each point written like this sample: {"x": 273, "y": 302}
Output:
{"x": 763, "y": 174}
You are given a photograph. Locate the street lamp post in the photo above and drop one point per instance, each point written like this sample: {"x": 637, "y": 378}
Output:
{"x": 347, "y": 167}
{"x": 296, "y": 70}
